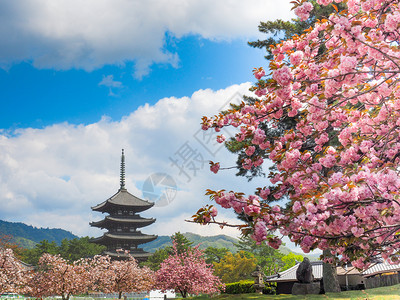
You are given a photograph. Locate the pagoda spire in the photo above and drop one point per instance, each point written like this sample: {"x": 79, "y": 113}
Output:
{"x": 122, "y": 176}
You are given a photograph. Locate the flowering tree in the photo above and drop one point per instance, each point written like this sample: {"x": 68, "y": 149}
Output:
{"x": 338, "y": 166}
{"x": 120, "y": 276}
{"x": 187, "y": 273}
{"x": 55, "y": 276}
{"x": 13, "y": 276}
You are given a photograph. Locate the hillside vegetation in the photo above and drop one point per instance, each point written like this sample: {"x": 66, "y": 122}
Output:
{"x": 28, "y": 236}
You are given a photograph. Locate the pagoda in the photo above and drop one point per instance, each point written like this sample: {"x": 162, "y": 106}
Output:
{"x": 123, "y": 221}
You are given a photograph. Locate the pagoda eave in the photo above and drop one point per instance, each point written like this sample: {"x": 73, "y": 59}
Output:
{"x": 136, "y": 239}
{"x": 123, "y": 200}
{"x": 106, "y": 206}
{"x": 112, "y": 221}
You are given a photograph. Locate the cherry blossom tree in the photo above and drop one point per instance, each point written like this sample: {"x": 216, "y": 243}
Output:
{"x": 337, "y": 168}
{"x": 187, "y": 273}
{"x": 55, "y": 276}
{"x": 120, "y": 276}
{"x": 13, "y": 275}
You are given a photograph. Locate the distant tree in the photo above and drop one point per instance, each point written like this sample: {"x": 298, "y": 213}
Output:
{"x": 154, "y": 261}
{"x": 235, "y": 267}
{"x": 269, "y": 259}
{"x": 187, "y": 273}
{"x": 9, "y": 242}
{"x": 70, "y": 250}
{"x": 32, "y": 256}
{"x": 13, "y": 276}
{"x": 56, "y": 276}
{"x": 290, "y": 260}
{"x": 214, "y": 255}
{"x": 77, "y": 248}
{"x": 120, "y": 276}
{"x": 182, "y": 243}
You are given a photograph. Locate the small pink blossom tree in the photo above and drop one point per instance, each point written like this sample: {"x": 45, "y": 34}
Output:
{"x": 13, "y": 276}
{"x": 337, "y": 168}
{"x": 55, "y": 276}
{"x": 187, "y": 273}
{"x": 120, "y": 276}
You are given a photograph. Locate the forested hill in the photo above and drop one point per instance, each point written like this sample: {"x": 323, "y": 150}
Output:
{"x": 217, "y": 241}
{"x": 27, "y": 235}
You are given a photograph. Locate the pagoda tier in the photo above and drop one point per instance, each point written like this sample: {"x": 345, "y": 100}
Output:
{"x": 135, "y": 221}
{"x": 131, "y": 239}
{"x": 123, "y": 200}
{"x": 122, "y": 223}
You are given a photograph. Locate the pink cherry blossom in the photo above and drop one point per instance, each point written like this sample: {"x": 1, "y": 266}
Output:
{"x": 337, "y": 166}
{"x": 188, "y": 273}
{"x": 303, "y": 11}
{"x": 214, "y": 167}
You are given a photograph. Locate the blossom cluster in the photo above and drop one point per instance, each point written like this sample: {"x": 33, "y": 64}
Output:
{"x": 188, "y": 273}
{"x": 338, "y": 165}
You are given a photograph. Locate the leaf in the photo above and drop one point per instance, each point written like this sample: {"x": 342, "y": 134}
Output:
{"x": 335, "y": 7}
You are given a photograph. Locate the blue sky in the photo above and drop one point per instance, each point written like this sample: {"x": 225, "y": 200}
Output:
{"x": 79, "y": 82}
{"x": 36, "y": 98}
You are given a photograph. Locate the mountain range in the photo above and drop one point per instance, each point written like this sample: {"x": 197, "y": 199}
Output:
{"x": 28, "y": 236}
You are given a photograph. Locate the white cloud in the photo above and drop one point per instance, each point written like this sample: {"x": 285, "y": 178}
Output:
{"x": 52, "y": 176}
{"x": 109, "y": 81}
{"x": 89, "y": 34}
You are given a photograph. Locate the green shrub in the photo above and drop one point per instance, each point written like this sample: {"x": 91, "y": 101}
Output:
{"x": 246, "y": 286}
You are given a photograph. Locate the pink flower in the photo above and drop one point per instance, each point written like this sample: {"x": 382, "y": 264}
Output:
{"x": 260, "y": 231}
{"x": 264, "y": 193}
{"x": 296, "y": 57}
{"x": 275, "y": 242}
{"x": 214, "y": 167}
{"x": 221, "y": 138}
{"x": 260, "y": 92}
{"x": 250, "y": 150}
{"x": 259, "y": 74}
{"x": 303, "y": 11}
{"x": 392, "y": 21}
{"x": 283, "y": 76}
{"x": 213, "y": 211}
{"x": 347, "y": 64}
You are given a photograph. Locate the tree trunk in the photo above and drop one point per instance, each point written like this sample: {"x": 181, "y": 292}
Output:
{"x": 65, "y": 297}
{"x": 119, "y": 295}
{"x": 329, "y": 277}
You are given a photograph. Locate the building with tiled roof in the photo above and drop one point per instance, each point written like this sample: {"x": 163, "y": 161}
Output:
{"x": 123, "y": 222}
{"x": 349, "y": 277}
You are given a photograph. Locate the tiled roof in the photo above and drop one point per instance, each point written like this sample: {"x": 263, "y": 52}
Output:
{"x": 376, "y": 268}
{"x": 380, "y": 267}
{"x": 138, "y": 221}
{"x": 124, "y": 198}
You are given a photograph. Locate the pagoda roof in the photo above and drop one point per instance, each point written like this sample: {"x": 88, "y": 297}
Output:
{"x": 123, "y": 199}
{"x": 137, "y": 238}
{"x": 109, "y": 220}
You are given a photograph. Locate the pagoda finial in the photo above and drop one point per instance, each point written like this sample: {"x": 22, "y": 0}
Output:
{"x": 122, "y": 177}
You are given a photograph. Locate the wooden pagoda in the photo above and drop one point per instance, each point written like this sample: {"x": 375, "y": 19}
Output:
{"x": 123, "y": 221}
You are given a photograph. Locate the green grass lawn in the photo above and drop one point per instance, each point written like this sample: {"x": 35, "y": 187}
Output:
{"x": 382, "y": 293}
